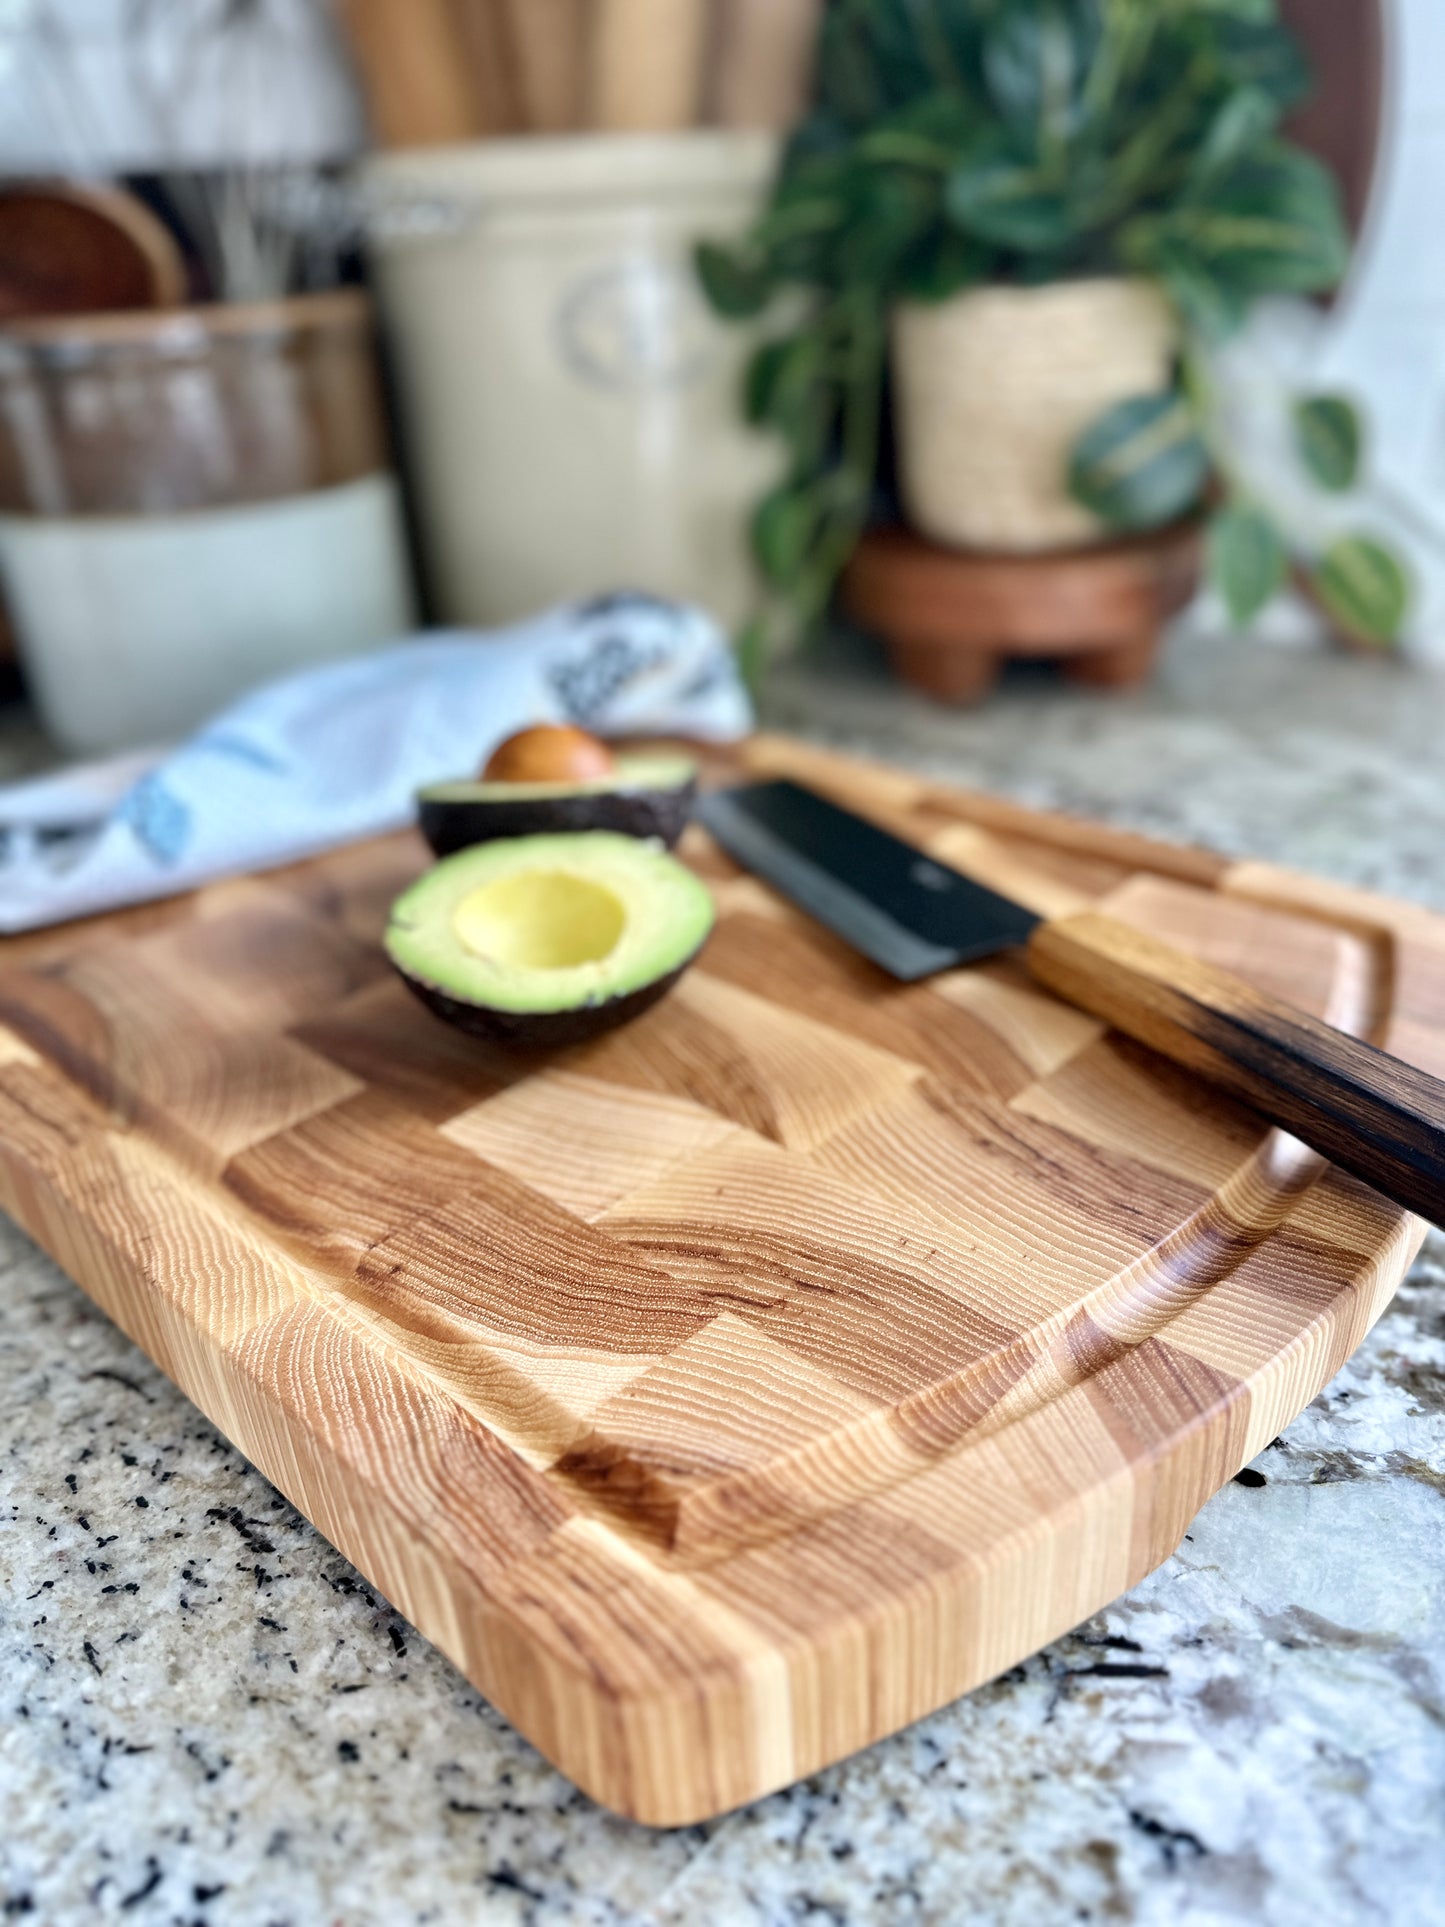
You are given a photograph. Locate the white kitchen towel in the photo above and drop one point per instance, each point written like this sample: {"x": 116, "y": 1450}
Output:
{"x": 337, "y": 752}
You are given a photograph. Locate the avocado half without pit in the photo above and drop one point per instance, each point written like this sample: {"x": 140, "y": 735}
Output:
{"x": 553, "y": 779}
{"x": 543, "y": 940}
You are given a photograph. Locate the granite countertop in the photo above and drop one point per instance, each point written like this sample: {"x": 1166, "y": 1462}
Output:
{"x": 206, "y": 1715}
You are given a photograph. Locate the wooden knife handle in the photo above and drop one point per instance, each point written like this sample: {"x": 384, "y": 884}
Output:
{"x": 1372, "y": 1115}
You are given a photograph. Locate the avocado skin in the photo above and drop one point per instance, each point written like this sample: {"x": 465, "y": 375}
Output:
{"x": 541, "y": 1029}
{"x": 450, "y": 825}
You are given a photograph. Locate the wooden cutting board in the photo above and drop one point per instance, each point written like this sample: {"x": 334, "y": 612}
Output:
{"x": 728, "y": 1392}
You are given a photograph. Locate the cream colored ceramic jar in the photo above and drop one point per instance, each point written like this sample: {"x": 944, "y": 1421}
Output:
{"x": 570, "y": 405}
{"x": 994, "y": 387}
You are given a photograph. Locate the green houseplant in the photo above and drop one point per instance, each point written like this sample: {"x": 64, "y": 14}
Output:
{"x": 964, "y": 144}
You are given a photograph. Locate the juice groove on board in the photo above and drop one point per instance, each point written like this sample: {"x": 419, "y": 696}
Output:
{"x": 729, "y": 1391}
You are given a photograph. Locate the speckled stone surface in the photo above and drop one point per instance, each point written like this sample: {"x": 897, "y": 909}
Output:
{"x": 206, "y": 1715}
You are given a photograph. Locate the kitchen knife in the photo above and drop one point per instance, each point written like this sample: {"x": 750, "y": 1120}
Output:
{"x": 1373, "y": 1115}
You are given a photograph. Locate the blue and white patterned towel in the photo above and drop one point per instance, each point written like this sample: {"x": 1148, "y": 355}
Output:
{"x": 336, "y": 753}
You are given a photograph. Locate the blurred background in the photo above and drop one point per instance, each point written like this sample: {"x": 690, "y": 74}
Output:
{"x": 979, "y": 330}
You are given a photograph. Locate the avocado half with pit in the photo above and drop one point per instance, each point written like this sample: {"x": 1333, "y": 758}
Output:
{"x": 642, "y": 796}
{"x": 541, "y": 940}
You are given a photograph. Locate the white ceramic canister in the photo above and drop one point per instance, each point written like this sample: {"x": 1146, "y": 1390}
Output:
{"x": 993, "y": 388}
{"x": 570, "y": 407}
{"x": 192, "y": 501}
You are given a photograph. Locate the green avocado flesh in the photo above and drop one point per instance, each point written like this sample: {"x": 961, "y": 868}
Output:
{"x": 536, "y": 939}
{"x": 644, "y": 796}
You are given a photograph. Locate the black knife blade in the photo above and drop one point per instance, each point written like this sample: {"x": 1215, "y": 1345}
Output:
{"x": 913, "y": 916}
{"x": 1375, "y": 1115}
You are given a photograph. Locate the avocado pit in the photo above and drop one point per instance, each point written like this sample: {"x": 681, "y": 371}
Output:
{"x": 549, "y": 753}
{"x": 553, "y": 779}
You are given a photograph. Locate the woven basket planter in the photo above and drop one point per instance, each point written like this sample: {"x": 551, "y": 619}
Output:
{"x": 992, "y": 390}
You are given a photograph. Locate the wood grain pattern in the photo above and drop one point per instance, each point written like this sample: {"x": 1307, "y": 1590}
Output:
{"x": 762, "y": 62}
{"x": 729, "y": 1391}
{"x": 646, "y": 64}
{"x": 1380, "y": 1118}
{"x": 411, "y": 58}
{"x": 549, "y": 40}
{"x": 484, "y": 36}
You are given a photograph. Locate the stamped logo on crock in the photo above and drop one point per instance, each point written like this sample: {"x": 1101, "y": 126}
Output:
{"x": 636, "y": 324}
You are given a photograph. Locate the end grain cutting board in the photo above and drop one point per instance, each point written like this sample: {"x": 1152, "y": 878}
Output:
{"x": 725, "y": 1393}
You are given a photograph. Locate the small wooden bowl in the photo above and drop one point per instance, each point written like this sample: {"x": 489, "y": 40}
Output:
{"x": 951, "y": 617}
{"x": 79, "y": 247}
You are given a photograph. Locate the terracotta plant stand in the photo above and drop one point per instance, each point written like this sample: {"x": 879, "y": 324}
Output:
{"x": 950, "y": 617}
